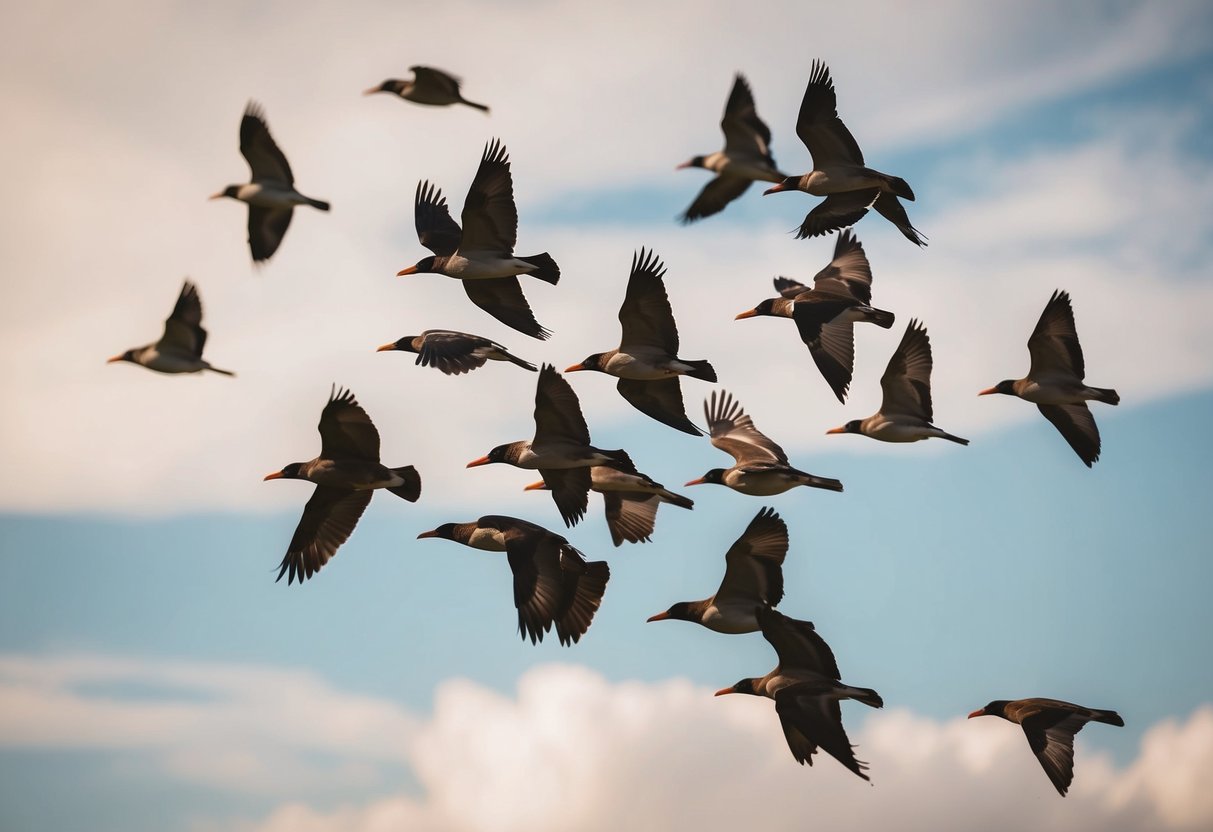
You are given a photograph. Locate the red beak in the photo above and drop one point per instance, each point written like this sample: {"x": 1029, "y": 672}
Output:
{"x": 724, "y": 691}
{"x": 661, "y": 616}
{"x": 988, "y": 391}
{"x": 695, "y": 482}
{"x": 979, "y": 712}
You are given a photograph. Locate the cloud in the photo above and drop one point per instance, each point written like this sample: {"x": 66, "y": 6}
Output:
{"x": 572, "y": 750}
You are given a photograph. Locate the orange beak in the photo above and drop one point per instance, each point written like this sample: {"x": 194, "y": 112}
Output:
{"x": 409, "y": 270}
{"x": 661, "y": 616}
{"x": 430, "y": 533}
{"x": 695, "y": 482}
{"x": 216, "y": 196}
{"x": 836, "y": 430}
{"x": 277, "y": 475}
{"x": 475, "y": 463}
{"x": 574, "y": 368}
{"x": 988, "y": 391}
{"x": 749, "y": 313}
{"x": 372, "y": 90}
{"x": 683, "y": 165}
{"x": 776, "y": 189}
{"x": 724, "y": 691}
{"x": 536, "y": 486}
{"x": 112, "y": 360}
{"x": 977, "y": 713}
{"x": 386, "y": 347}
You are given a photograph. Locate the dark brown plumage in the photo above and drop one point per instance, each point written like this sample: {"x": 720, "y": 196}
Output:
{"x": 453, "y": 352}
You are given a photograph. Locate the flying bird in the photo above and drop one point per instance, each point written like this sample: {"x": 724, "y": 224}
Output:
{"x": 753, "y": 578}
{"x": 481, "y": 255}
{"x": 646, "y": 361}
{"x": 428, "y": 86}
{"x": 345, "y": 473}
{"x": 746, "y": 156}
{"x": 453, "y": 352}
{"x": 762, "y": 468}
{"x": 841, "y": 296}
{"x": 179, "y": 349}
{"x": 1050, "y": 726}
{"x": 270, "y": 193}
{"x": 1055, "y": 379}
{"x": 553, "y": 582}
{"x": 561, "y": 450}
{"x": 806, "y": 688}
{"x": 905, "y": 412}
{"x": 630, "y": 500}
{"x": 839, "y": 174}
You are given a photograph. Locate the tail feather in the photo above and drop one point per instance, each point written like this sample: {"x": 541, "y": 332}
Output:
{"x": 411, "y": 489}
{"x": 703, "y": 371}
{"x": 620, "y": 461}
{"x": 545, "y": 267}
{"x": 675, "y": 499}
{"x": 319, "y": 204}
{"x": 524, "y": 364}
{"x": 479, "y": 107}
{"x": 821, "y": 482}
{"x": 221, "y": 372}
{"x": 881, "y": 318}
{"x": 901, "y": 187}
{"x": 1109, "y": 718}
{"x": 867, "y": 696}
{"x": 951, "y": 438}
{"x": 1106, "y": 395}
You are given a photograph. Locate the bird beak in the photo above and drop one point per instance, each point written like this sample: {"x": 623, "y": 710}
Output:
{"x": 661, "y": 616}
{"x": 409, "y": 270}
{"x": 574, "y": 368}
{"x": 776, "y": 189}
{"x": 988, "y": 391}
{"x": 430, "y": 533}
{"x": 695, "y": 482}
{"x": 219, "y": 195}
{"x": 484, "y": 460}
{"x": 980, "y": 712}
{"x": 372, "y": 90}
{"x": 749, "y": 313}
{"x": 386, "y": 347}
{"x": 112, "y": 360}
{"x": 683, "y": 165}
{"x": 836, "y": 430}
{"x": 277, "y": 475}
{"x": 723, "y": 691}
{"x": 536, "y": 486}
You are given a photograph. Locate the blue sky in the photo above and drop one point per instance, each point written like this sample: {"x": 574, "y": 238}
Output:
{"x": 148, "y": 659}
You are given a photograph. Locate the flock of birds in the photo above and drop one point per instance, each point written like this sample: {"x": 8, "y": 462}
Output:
{"x": 554, "y": 584}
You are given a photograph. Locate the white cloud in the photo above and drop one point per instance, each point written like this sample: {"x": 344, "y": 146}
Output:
{"x": 572, "y": 750}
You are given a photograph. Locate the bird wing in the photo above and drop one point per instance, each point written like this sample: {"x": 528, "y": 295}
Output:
{"x": 837, "y": 211}
{"x": 552, "y": 583}
{"x": 833, "y": 352}
{"x": 849, "y": 272}
{"x": 258, "y": 148}
{"x": 630, "y": 517}
{"x": 436, "y": 230}
{"x": 1050, "y": 733}
{"x": 744, "y": 131}
{"x": 715, "y": 195}
{"x": 733, "y": 431}
{"x": 183, "y": 332}
{"x": 584, "y": 583}
{"x": 789, "y": 288}
{"x": 452, "y": 352}
{"x": 570, "y": 489}
{"x": 266, "y": 228}
{"x": 502, "y": 298}
{"x": 660, "y": 400}
{"x": 1054, "y": 345}
{"x": 754, "y": 563}
{"x": 818, "y": 125}
{"x": 346, "y": 430}
{"x": 797, "y": 643}
{"x": 907, "y": 380}
{"x": 558, "y": 412}
{"x": 1077, "y": 426}
{"x": 490, "y": 220}
{"x": 645, "y": 316}
{"x": 435, "y": 79}
{"x": 328, "y": 520}
{"x": 818, "y": 719}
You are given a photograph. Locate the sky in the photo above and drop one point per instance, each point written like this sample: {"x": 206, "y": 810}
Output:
{"x": 153, "y": 676}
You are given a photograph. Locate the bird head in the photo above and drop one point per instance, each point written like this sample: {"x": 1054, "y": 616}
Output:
{"x": 592, "y": 362}
{"x": 1005, "y": 387}
{"x": 230, "y": 191}
{"x": 390, "y": 85}
{"x": 423, "y": 266}
{"x": 850, "y": 427}
{"x": 290, "y": 472}
{"x": 789, "y": 183}
{"x": 680, "y": 612}
{"x": 713, "y": 477}
{"x": 767, "y": 307}
{"x": 446, "y": 531}
{"x": 693, "y": 162}
{"x": 749, "y": 686}
{"x": 498, "y": 454}
{"x": 129, "y": 355}
{"x": 404, "y": 344}
{"x": 995, "y": 708}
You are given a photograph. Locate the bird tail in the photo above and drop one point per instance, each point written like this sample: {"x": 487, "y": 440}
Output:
{"x": 221, "y": 372}
{"x": 620, "y": 461}
{"x": 821, "y": 482}
{"x": 900, "y": 187}
{"x": 675, "y": 499}
{"x": 411, "y": 489}
{"x": 1106, "y": 396}
{"x": 951, "y": 438}
{"x": 319, "y": 204}
{"x": 479, "y": 107}
{"x": 881, "y": 318}
{"x": 526, "y": 365}
{"x": 702, "y": 371}
{"x": 1109, "y": 718}
{"x": 545, "y": 267}
{"x": 867, "y": 696}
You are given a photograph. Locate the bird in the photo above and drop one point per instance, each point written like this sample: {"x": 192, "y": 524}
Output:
{"x": 746, "y": 156}
{"x": 429, "y": 86}
{"x": 453, "y": 352}
{"x": 1050, "y": 726}
{"x": 762, "y": 468}
{"x": 561, "y": 449}
{"x": 839, "y": 174}
{"x": 753, "y": 577}
{"x": 646, "y": 361}
{"x": 553, "y": 582}
{"x": 1054, "y": 382}
{"x": 631, "y": 502}
{"x": 905, "y": 411}
{"x": 481, "y": 255}
{"x": 806, "y": 688}
{"x": 346, "y": 472}
{"x": 270, "y": 192}
{"x": 844, "y": 288}
{"x": 179, "y": 349}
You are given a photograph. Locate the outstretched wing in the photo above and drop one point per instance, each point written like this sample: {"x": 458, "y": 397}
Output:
{"x": 183, "y": 332}
{"x": 1054, "y": 345}
{"x": 260, "y": 150}
{"x": 907, "y": 380}
{"x": 490, "y": 220}
{"x": 818, "y": 125}
{"x": 346, "y": 430}
{"x": 435, "y": 228}
{"x": 754, "y": 563}
{"x": 328, "y": 520}
{"x": 733, "y": 432}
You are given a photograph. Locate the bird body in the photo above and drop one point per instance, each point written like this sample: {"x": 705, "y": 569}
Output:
{"x": 1054, "y": 382}
{"x": 428, "y": 86}
{"x": 179, "y": 349}
{"x": 453, "y": 352}
{"x": 1050, "y": 726}
{"x": 270, "y": 193}
{"x": 630, "y": 499}
{"x": 746, "y": 156}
